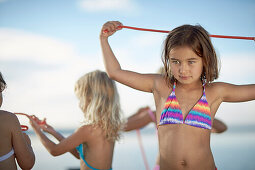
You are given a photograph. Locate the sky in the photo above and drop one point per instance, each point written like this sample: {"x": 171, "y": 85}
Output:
{"x": 45, "y": 46}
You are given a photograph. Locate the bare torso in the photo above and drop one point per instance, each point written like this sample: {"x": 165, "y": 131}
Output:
{"x": 181, "y": 146}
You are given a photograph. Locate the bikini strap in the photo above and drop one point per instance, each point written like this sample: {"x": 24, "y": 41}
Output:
{"x": 174, "y": 86}
{"x": 8, "y": 155}
{"x": 204, "y": 88}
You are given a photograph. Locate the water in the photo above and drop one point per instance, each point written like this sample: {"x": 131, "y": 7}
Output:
{"x": 234, "y": 149}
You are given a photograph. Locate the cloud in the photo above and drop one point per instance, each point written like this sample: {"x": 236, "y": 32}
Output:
{"x": 21, "y": 45}
{"x": 108, "y": 5}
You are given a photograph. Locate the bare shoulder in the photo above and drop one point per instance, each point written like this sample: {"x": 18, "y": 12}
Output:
{"x": 89, "y": 132}
{"x": 6, "y": 113}
{"x": 160, "y": 84}
{"x": 216, "y": 87}
{"x": 86, "y": 130}
{"x": 8, "y": 117}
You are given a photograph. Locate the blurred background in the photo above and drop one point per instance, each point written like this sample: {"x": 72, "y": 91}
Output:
{"x": 45, "y": 46}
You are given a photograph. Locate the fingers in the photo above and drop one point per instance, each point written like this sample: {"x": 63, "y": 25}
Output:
{"x": 37, "y": 120}
{"x": 111, "y": 27}
{"x": 43, "y": 122}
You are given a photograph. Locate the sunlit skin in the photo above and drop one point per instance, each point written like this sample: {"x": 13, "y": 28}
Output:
{"x": 186, "y": 67}
{"x": 182, "y": 147}
{"x": 142, "y": 118}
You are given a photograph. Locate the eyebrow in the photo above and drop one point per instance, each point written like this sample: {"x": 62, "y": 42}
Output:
{"x": 172, "y": 58}
{"x": 192, "y": 58}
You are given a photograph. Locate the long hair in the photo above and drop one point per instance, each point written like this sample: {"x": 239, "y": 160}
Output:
{"x": 2, "y": 83}
{"x": 99, "y": 101}
{"x": 196, "y": 38}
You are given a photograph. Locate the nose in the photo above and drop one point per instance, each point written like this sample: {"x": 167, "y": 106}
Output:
{"x": 183, "y": 68}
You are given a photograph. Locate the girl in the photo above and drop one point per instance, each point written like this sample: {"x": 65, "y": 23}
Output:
{"x": 99, "y": 101}
{"x": 186, "y": 98}
{"x": 145, "y": 115}
{"x": 13, "y": 144}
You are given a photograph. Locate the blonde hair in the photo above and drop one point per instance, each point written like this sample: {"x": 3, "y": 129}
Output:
{"x": 99, "y": 101}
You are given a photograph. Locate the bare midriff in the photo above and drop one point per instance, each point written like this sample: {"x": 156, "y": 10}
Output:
{"x": 183, "y": 147}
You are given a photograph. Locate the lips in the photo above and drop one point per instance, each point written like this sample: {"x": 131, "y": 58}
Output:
{"x": 184, "y": 77}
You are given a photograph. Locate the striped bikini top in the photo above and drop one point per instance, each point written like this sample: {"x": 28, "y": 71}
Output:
{"x": 199, "y": 116}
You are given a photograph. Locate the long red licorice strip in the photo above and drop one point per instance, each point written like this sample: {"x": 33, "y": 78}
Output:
{"x": 214, "y": 36}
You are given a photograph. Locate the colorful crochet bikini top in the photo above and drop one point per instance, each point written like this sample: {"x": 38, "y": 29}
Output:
{"x": 199, "y": 116}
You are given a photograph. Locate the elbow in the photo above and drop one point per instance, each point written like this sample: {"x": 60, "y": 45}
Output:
{"x": 54, "y": 153}
{"x": 111, "y": 75}
{"x": 28, "y": 163}
{"x": 220, "y": 130}
{"x": 223, "y": 129}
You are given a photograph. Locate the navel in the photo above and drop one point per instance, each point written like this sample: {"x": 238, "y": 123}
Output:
{"x": 183, "y": 163}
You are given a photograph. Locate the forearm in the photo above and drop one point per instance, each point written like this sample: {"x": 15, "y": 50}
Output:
{"x": 60, "y": 137}
{"x": 110, "y": 61}
{"x": 57, "y": 135}
{"x": 47, "y": 143}
{"x": 137, "y": 121}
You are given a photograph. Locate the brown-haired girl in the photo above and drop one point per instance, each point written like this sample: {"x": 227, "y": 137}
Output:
{"x": 186, "y": 97}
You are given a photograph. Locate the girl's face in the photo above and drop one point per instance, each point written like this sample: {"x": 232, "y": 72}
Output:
{"x": 186, "y": 66}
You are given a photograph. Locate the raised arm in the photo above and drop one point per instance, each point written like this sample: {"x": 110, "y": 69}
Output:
{"x": 138, "y": 120}
{"x": 65, "y": 145}
{"x": 143, "y": 82}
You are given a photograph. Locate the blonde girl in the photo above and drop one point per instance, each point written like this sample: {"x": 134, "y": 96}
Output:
{"x": 186, "y": 98}
{"x": 92, "y": 143}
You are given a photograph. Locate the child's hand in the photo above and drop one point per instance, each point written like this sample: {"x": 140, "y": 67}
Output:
{"x": 110, "y": 28}
{"x": 34, "y": 121}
